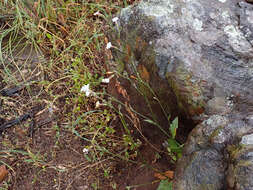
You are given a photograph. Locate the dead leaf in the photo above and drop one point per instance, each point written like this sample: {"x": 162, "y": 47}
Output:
{"x": 143, "y": 72}
{"x": 129, "y": 52}
{"x": 106, "y": 40}
{"x": 122, "y": 91}
{"x": 162, "y": 176}
{"x": 61, "y": 19}
{"x": 133, "y": 77}
{"x": 169, "y": 174}
{"x": 137, "y": 43}
{"x": 3, "y": 172}
{"x": 118, "y": 42}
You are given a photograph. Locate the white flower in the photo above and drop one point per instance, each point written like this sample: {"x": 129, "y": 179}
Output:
{"x": 108, "y": 45}
{"x": 86, "y": 90}
{"x": 62, "y": 167}
{"x": 96, "y": 13}
{"x": 97, "y": 104}
{"x": 85, "y": 150}
{"x": 106, "y": 80}
{"x": 115, "y": 19}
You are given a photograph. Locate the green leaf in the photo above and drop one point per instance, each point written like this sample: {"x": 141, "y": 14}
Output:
{"x": 165, "y": 185}
{"x": 173, "y": 127}
{"x": 87, "y": 158}
{"x": 151, "y": 122}
{"x": 49, "y": 36}
{"x": 174, "y": 146}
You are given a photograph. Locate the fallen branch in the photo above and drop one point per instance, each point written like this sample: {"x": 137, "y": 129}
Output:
{"x": 11, "y": 91}
{"x": 16, "y": 121}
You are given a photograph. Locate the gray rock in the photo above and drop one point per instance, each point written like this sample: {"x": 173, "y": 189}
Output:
{"x": 247, "y": 139}
{"x": 198, "y": 56}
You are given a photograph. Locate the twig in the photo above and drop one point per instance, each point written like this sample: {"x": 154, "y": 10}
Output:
{"x": 13, "y": 122}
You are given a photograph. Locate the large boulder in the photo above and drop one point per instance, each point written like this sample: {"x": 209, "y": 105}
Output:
{"x": 198, "y": 57}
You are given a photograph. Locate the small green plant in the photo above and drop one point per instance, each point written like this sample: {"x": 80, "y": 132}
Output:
{"x": 165, "y": 185}
{"x": 94, "y": 186}
{"x": 174, "y": 148}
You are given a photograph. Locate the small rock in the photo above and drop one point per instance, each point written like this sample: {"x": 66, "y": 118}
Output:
{"x": 247, "y": 139}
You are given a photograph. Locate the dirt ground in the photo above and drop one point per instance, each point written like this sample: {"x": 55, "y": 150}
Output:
{"x": 39, "y": 150}
{"x": 58, "y": 162}
{"x": 53, "y": 159}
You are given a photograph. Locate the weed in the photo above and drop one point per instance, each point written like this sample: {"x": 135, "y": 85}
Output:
{"x": 174, "y": 148}
{"x": 165, "y": 185}
{"x": 140, "y": 82}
